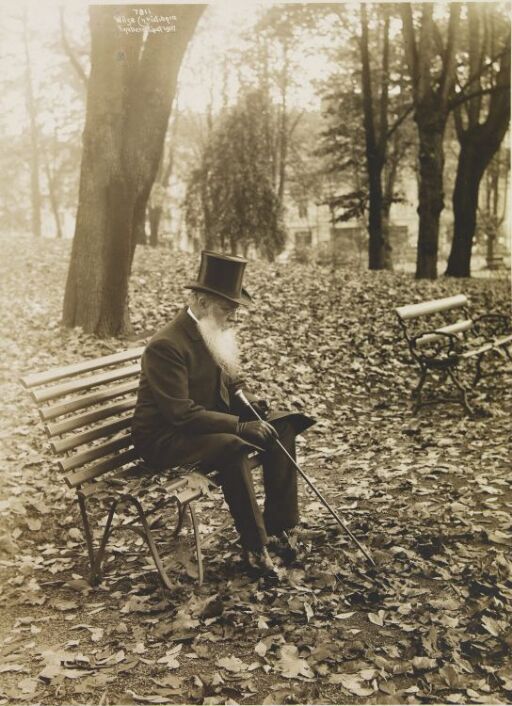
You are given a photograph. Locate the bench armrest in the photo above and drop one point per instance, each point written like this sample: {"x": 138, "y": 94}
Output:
{"x": 492, "y": 325}
{"x": 439, "y": 349}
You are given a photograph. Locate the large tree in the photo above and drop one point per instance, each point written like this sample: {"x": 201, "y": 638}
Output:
{"x": 231, "y": 203}
{"x": 129, "y": 96}
{"x": 268, "y": 61}
{"x": 376, "y": 142}
{"x": 481, "y": 123}
{"x": 367, "y": 106}
{"x": 430, "y": 56}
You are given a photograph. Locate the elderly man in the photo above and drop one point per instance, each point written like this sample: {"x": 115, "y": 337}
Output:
{"x": 187, "y": 412}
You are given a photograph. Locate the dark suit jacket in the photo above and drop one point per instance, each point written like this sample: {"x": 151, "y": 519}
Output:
{"x": 182, "y": 390}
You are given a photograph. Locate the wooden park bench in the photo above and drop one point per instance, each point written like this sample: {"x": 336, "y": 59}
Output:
{"x": 442, "y": 336}
{"x": 87, "y": 408}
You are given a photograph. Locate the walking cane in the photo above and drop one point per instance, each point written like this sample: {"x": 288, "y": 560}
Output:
{"x": 243, "y": 398}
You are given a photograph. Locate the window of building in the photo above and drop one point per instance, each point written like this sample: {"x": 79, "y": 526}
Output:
{"x": 303, "y": 209}
{"x": 303, "y": 239}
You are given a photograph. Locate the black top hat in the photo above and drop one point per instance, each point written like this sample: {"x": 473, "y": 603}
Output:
{"x": 222, "y": 275}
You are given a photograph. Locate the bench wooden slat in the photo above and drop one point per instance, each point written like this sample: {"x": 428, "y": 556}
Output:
{"x": 411, "y": 311}
{"x": 52, "y": 393}
{"x": 478, "y": 351}
{"x": 188, "y": 494}
{"x": 119, "y": 482}
{"x": 497, "y": 343}
{"x": 36, "y": 379}
{"x": 503, "y": 341}
{"x": 82, "y": 420}
{"x": 76, "y": 478}
{"x": 71, "y": 442}
{"x": 458, "y": 327}
{"x": 57, "y": 410}
{"x": 92, "y": 454}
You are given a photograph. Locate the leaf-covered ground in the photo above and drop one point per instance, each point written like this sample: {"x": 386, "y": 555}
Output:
{"x": 430, "y": 496}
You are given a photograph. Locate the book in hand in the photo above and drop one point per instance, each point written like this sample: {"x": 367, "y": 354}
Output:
{"x": 299, "y": 421}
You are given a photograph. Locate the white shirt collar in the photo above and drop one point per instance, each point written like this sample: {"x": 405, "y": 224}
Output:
{"x": 191, "y": 314}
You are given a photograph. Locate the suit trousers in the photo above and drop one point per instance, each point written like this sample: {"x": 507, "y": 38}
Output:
{"x": 228, "y": 454}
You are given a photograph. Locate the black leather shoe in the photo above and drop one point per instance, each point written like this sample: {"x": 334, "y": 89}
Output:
{"x": 260, "y": 562}
{"x": 286, "y": 546}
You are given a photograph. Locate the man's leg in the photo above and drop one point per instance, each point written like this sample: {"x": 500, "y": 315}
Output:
{"x": 280, "y": 482}
{"x": 227, "y": 454}
{"x": 236, "y": 480}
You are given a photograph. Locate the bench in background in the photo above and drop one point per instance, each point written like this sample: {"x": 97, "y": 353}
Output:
{"x": 442, "y": 335}
{"x": 87, "y": 408}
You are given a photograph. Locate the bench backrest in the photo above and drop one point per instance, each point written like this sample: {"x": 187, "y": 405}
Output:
{"x": 434, "y": 306}
{"x": 437, "y": 333}
{"x": 88, "y": 413}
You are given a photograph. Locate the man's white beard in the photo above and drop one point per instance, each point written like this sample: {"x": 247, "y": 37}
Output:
{"x": 222, "y": 344}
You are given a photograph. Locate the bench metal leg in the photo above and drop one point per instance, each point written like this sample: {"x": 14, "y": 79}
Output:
{"x": 478, "y": 371}
{"x": 96, "y": 558}
{"x": 96, "y": 573}
{"x": 463, "y": 393}
{"x": 88, "y": 537}
{"x": 444, "y": 374}
{"x": 181, "y": 519}
{"x": 151, "y": 544}
{"x": 417, "y": 391}
{"x": 148, "y": 536}
{"x": 197, "y": 537}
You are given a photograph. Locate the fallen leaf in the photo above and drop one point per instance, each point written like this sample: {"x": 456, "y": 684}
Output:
{"x": 291, "y": 665}
{"x": 377, "y": 618}
{"x": 261, "y": 649}
{"x": 424, "y": 663}
{"x": 232, "y": 664}
{"x": 351, "y": 683}
{"x": 12, "y": 667}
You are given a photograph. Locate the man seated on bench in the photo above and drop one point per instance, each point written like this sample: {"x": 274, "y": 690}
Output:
{"x": 187, "y": 413}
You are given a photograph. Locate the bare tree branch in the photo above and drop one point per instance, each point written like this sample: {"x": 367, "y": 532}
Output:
{"x": 400, "y": 120}
{"x": 411, "y": 51}
{"x": 69, "y": 51}
{"x": 483, "y": 69}
{"x": 295, "y": 123}
{"x": 460, "y": 99}
{"x": 448, "y": 74}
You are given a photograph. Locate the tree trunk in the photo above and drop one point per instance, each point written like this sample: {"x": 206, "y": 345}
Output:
{"x": 35, "y": 188}
{"x": 208, "y": 234}
{"x": 283, "y": 127}
{"x": 129, "y": 98}
{"x": 160, "y": 186}
{"x": 465, "y": 203}
{"x": 476, "y": 153}
{"x": 155, "y": 214}
{"x": 379, "y": 252}
{"x": 376, "y": 242}
{"x": 431, "y": 104}
{"x": 479, "y": 142}
{"x": 52, "y": 193}
{"x": 430, "y": 195}
{"x": 387, "y": 245}
{"x": 139, "y": 222}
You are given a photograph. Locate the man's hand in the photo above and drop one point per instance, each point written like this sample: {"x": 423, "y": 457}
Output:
{"x": 258, "y": 433}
